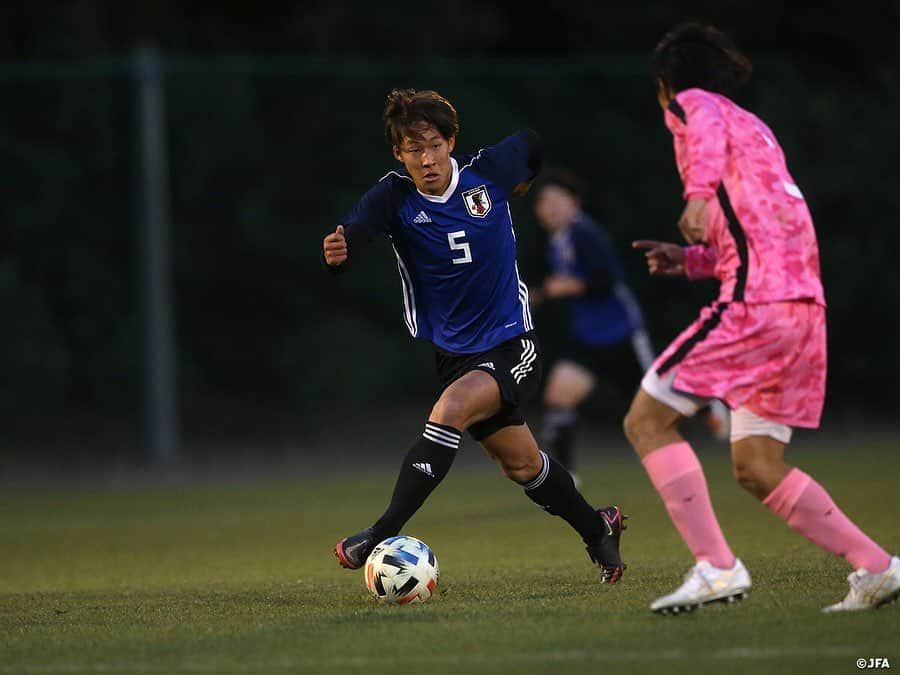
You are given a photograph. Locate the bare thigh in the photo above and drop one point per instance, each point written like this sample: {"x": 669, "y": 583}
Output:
{"x": 568, "y": 385}
{"x": 472, "y": 398}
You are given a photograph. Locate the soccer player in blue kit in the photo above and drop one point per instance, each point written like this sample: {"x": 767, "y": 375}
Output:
{"x": 607, "y": 339}
{"x": 451, "y": 230}
{"x": 606, "y": 334}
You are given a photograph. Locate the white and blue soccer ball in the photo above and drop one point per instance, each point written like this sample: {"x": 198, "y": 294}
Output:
{"x": 401, "y": 570}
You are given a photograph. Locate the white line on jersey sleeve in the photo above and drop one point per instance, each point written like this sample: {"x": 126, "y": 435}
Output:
{"x": 409, "y": 296}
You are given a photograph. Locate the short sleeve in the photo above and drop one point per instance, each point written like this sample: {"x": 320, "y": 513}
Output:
{"x": 513, "y": 160}
{"x": 373, "y": 214}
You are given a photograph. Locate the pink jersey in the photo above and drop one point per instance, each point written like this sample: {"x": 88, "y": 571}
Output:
{"x": 761, "y": 244}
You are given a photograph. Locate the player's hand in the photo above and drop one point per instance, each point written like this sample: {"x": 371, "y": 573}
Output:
{"x": 561, "y": 286}
{"x": 663, "y": 259}
{"x": 693, "y": 221}
{"x": 335, "y": 247}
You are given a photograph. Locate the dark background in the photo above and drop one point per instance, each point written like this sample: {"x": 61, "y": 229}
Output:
{"x": 274, "y": 130}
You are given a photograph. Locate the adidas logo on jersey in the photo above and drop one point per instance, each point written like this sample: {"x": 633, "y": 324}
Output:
{"x": 422, "y": 218}
{"x": 487, "y": 364}
{"x": 424, "y": 467}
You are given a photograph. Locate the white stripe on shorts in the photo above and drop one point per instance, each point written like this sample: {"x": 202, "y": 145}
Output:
{"x": 523, "y": 367}
{"x": 663, "y": 390}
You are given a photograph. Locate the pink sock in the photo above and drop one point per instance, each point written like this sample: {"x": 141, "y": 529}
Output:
{"x": 805, "y": 506}
{"x": 678, "y": 477}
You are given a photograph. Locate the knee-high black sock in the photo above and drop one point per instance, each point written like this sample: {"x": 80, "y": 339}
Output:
{"x": 553, "y": 490}
{"x": 424, "y": 466}
{"x": 559, "y": 435}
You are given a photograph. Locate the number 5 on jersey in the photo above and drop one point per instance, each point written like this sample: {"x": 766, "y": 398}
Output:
{"x": 456, "y": 244}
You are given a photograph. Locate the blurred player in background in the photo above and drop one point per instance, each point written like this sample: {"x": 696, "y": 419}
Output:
{"x": 451, "y": 230}
{"x": 607, "y": 339}
{"x": 760, "y": 347}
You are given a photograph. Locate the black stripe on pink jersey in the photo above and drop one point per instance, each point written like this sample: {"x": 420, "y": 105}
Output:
{"x": 705, "y": 328}
{"x": 678, "y": 111}
{"x": 734, "y": 225}
{"x": 740, "y": 240}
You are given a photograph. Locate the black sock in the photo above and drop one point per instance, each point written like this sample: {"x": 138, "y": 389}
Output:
{"x": 559, "y": 435}
{"x": 553, "y": 490}
{"x": 424, "y": 466}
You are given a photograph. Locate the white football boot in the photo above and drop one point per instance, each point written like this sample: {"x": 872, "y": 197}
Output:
{"x": 869, "y": 590}
{"x": 704, "y": 584}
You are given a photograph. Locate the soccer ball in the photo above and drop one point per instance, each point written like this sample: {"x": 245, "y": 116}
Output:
{"x": 401, "y": 570}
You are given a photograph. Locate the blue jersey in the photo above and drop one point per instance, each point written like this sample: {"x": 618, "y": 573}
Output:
{"x": 607, "y": 312}
{"x": 456, "y": 252}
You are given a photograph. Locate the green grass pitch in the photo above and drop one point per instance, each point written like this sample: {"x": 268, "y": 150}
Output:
{"x": 240, "y": 577}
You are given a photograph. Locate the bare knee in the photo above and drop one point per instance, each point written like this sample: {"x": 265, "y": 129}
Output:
{"x": 749, "y": 476}
{"x": 758, "y": 464}
{"x": 647, "y": 430}
{"x": 559, "y": 394}
{"x": 520, "y": 469}
{"x": 567, "y": 385}
{"x": 758, "y": 476}
{"x": 632, "y": 425}
{"x": 516, "y": 452}
{"x": 451, "y": 409}
{"x": 553, "y": 400}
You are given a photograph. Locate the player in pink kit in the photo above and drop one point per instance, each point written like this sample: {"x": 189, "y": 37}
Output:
{"x": 760, "y": 347}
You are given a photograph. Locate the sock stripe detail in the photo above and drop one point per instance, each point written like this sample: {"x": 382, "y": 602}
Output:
{"x": 542, "y": 476}
{"x": 444, "y": 433}
{"x": 448, "y": 440}
{"x": 435, "y": 434}
{"x": 441, "y": 441}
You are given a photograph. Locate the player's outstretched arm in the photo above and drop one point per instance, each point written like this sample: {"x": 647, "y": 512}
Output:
{"x": 514, "y": 162}
{"x": 335, "y": 248}
{"x": 558, "y": 286}
{"x": 663, "y": 259}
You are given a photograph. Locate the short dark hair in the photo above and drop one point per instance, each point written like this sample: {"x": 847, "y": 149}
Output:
{"x": 700, "y": 55}
{"x": 405, "y": 108}
{"x": 564, "y": 178}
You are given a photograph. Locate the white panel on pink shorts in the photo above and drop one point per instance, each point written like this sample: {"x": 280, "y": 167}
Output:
{"x": 745, "y": 423}
{"x": 664, "y": 392}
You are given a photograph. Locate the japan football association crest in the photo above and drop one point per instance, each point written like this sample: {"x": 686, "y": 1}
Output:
{"x": 478, "y": 203}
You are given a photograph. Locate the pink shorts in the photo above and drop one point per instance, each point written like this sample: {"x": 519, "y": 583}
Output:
{"x": 768, "y": 358}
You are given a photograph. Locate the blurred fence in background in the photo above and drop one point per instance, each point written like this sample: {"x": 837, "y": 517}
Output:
{"x": 265, "y": 155}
